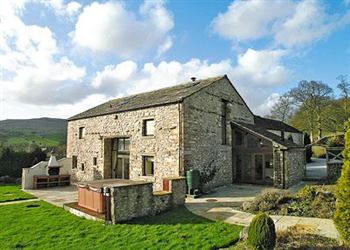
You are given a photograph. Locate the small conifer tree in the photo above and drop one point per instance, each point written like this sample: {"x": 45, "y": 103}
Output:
{"x": 262, "y": 233}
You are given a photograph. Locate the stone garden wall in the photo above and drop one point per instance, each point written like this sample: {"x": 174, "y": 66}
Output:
{"x": 139, "y": 200}
{"x": 295, "y": 164}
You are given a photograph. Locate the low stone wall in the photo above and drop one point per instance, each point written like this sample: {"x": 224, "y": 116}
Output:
{"x": 334, "y": 170}
{"x": 128, "y": 202}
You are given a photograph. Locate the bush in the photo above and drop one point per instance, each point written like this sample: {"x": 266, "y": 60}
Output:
{"x": 342, "y": 214}
{"x": 267, "y": 201}
{"x": 261, "y": 232}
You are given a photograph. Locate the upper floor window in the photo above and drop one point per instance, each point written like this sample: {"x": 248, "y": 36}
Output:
{"x": 81, "y": 132}
{"x": 121, "y": 145}
{"x": 148, "y": 127}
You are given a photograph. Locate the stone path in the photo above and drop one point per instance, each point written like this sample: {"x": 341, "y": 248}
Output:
{"x": 18, "y": 201}
{"x": 222, "y": 206}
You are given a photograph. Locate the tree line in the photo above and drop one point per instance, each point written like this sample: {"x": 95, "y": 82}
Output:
{"x": 12, "y": 162}
{"x": 313, "y": 108}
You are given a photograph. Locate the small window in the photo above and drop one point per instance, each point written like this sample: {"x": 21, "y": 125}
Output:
{"x": 148, "y": 165}
{"x": 238, "y": 138}
{"x": 82, "y": 167}
{"x": 94, "y": 161}
{"x": 81, "y": 132}
{"x": 148, "y": 127}
{"x": 74, "y": 161}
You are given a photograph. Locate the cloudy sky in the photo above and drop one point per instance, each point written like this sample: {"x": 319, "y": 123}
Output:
{"x": 60, "y": 57}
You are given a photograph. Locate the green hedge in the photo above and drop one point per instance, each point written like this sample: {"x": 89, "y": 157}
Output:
{"x": 342, "y": 214}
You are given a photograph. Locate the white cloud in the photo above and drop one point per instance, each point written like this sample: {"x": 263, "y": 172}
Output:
{"x": 60, "y": 8}
{"x": 251, "y": 19}
{"x": 308, "y": 23}
{"x": 261, "y": 68}
{"x": 255, "y": 72}
{"x": 31, "y": 68}
{"x": 265, "y": 107}
{"x": 110, "y": 27}
{"x": 288, "y": 23}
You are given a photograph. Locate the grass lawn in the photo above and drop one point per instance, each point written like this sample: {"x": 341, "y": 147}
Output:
{"x": 13, "y": 193}
{"x": 39, "y": 225}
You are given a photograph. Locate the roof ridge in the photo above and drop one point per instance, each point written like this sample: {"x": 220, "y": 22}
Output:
{"x": 162, "y": 96}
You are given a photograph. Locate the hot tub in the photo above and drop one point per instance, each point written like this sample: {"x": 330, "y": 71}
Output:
{"x": 90, "y": 193}
{"x": 91, "y": 198}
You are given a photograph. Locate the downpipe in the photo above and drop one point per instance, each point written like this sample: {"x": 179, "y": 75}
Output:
{"x": 107, "y": 201}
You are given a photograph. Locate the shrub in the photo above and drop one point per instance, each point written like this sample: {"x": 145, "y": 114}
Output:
{"x": 342, "y": 214}
{"x": 261, "y": 232}
{"x": 267, "y": 201}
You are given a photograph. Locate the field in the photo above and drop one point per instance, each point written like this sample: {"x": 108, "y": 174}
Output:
{"x": 51, "y": 140}
{"x": 39, "y": 225}
{"x": 13, "y": 193}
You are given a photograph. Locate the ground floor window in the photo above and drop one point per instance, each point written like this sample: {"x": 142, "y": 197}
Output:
{"x": 148, "y": 165}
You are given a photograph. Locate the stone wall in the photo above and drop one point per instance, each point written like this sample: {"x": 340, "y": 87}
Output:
{"x": 295, "y": 165}
{"x": 128, "y": 202}
{"x": 334, "y": 170}
{"x": 164, "y": 145}
{"x": 203, "y": 146}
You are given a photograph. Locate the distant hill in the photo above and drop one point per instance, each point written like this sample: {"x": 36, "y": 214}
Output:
{"x": 45, "y": 132}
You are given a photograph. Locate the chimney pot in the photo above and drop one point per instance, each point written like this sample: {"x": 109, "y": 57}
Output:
{"x": 193, "y": 79}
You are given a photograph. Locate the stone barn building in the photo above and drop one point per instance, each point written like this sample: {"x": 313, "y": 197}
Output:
{"x": 203, "y": 124}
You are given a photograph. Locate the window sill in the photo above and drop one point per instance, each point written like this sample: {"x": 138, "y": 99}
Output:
{"x": 148, "y": 136}
{"x": 147, "y": 177}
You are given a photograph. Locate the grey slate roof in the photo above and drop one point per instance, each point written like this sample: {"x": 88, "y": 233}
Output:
{"x": 159, "y": 97}
{"x": 256, "y": 129}
{"x": 272, "y": 124}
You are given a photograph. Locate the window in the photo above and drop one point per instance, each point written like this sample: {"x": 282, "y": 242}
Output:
{"x": 82, "y": 167}
{"x": 81, "y": 132}
{"x": 148, "y": 165}
{"x": 74, "y": 161}
{"x": 290, "y": 138}
{"x": 238, "y": 138}
{"x": 148, "y": 127}
{"x": 94, "y": 161}
{"x": 121, "y": 145}
{"x": 223, "y": 122}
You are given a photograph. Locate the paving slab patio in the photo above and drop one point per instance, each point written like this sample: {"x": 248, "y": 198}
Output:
{"x": 56, "y": 195}
{"x": 222, "y": 206}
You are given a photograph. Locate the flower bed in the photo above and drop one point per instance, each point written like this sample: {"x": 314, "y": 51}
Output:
{"x": 310, "y": 201}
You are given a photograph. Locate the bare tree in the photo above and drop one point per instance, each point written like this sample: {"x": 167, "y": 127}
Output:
{"x": 313, "y": 96}
{"x": 344, "y": 88}
{"x": 283, "y": 109}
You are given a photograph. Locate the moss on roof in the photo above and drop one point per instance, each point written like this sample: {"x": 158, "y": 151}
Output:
{"x": 155, "y": 98}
